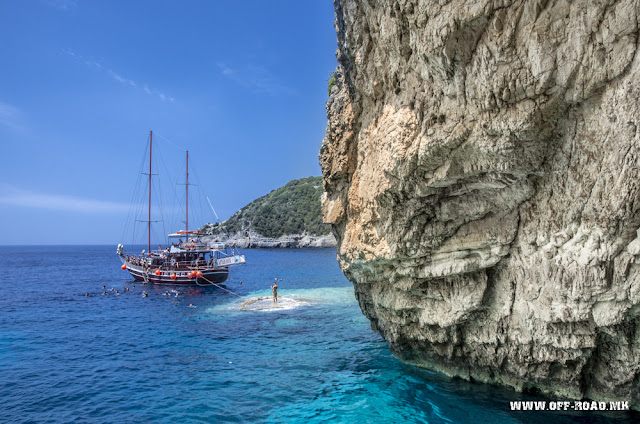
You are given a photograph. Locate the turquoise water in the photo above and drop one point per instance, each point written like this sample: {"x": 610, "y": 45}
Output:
{"x": 67, "y": 358}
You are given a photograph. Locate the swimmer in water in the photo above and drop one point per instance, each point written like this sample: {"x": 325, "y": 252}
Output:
{"x": 117, "y": 293}
{"x": 144, "y": 294}
{"x": 275, "y": 291}
{"x": 104, "y": 292}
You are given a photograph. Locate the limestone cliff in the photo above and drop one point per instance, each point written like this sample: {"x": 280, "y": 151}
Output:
{"x": 482, "y": 175}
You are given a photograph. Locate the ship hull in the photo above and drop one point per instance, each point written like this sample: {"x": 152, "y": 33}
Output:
{"x": 211, "y": 275}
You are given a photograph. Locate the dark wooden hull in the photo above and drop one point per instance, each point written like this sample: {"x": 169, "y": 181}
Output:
{"x": 211, "y": 275}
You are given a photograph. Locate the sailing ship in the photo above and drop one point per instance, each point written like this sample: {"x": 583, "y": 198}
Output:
{"x": 189, "y": 260}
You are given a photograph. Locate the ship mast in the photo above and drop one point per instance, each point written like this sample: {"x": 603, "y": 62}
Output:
{"x": 187, "y": 196}
{"x": 149, "y": 232}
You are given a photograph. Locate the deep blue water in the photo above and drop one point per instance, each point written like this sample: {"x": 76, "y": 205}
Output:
{"x": 67, "y": 358}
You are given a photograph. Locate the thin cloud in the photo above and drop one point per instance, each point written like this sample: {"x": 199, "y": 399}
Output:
{"x": 226, "y": 70}
{"x": 119, "y": 77}
{"x": 13, "y": 196}
{"x": 62, "y": 4}
{"x": 11, "y": 117}
{"x": 93, "y": 63}
{"x": 160, "y": 94}
{"x": 255, "y": 78}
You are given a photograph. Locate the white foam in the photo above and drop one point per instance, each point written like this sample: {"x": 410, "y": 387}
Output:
{"x": 266, "y": 304}
{"x": 262, "y": 301}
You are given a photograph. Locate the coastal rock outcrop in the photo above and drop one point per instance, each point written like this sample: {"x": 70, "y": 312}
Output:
{"x": 482, "y": 176}
{"x": 251, "y": 239}
{"x": 289, "y": 216}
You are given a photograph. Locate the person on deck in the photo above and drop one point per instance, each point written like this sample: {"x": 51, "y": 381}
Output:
{"x": 275, "y": 291}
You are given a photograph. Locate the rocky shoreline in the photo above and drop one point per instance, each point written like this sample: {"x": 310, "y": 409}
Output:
{"x": 251, "y": 239}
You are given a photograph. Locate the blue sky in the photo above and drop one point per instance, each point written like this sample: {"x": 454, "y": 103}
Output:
{"x": 241, "y": 85}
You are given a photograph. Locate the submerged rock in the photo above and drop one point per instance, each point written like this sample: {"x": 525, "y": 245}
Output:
{"x": 266, "y": 303}
{"x": 481, "y": 173}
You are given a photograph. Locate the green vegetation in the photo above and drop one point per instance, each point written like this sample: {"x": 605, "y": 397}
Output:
{"x": 332, "y": 82}
{"x": 291, "y": 209}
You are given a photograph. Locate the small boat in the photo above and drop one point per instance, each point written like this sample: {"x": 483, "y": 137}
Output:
{"x": 187, "y": 261}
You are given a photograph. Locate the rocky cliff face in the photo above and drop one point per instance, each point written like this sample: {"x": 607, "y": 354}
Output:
{"x": 482, "y": 174}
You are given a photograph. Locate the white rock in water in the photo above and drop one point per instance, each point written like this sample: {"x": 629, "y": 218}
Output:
{"x": 266, "y": 303}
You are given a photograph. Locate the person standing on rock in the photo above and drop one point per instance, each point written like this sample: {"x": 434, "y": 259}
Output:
{"x": 275, "y": 291}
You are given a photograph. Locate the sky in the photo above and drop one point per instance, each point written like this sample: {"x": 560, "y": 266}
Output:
{"x": 241, "y": 85}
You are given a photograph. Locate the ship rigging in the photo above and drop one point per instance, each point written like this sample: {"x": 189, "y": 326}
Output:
{"x": 188, "y": 260}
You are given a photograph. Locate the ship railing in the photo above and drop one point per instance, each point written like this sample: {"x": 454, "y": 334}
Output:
{"x": 192, "y": 246}
{"x": 166, "y": 265}
{"x": 184, "y": 265}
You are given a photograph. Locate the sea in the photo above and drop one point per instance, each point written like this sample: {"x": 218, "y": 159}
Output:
{"x": 73, "y": 352}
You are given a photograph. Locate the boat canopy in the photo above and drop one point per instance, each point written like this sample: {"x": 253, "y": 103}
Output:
{"x": 182, "y": 233}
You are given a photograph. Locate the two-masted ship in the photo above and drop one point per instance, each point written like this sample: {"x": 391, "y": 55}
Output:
{"x": 188, "y": 260}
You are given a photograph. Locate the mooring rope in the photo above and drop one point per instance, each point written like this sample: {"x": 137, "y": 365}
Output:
{"x": 211, "y": 282}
